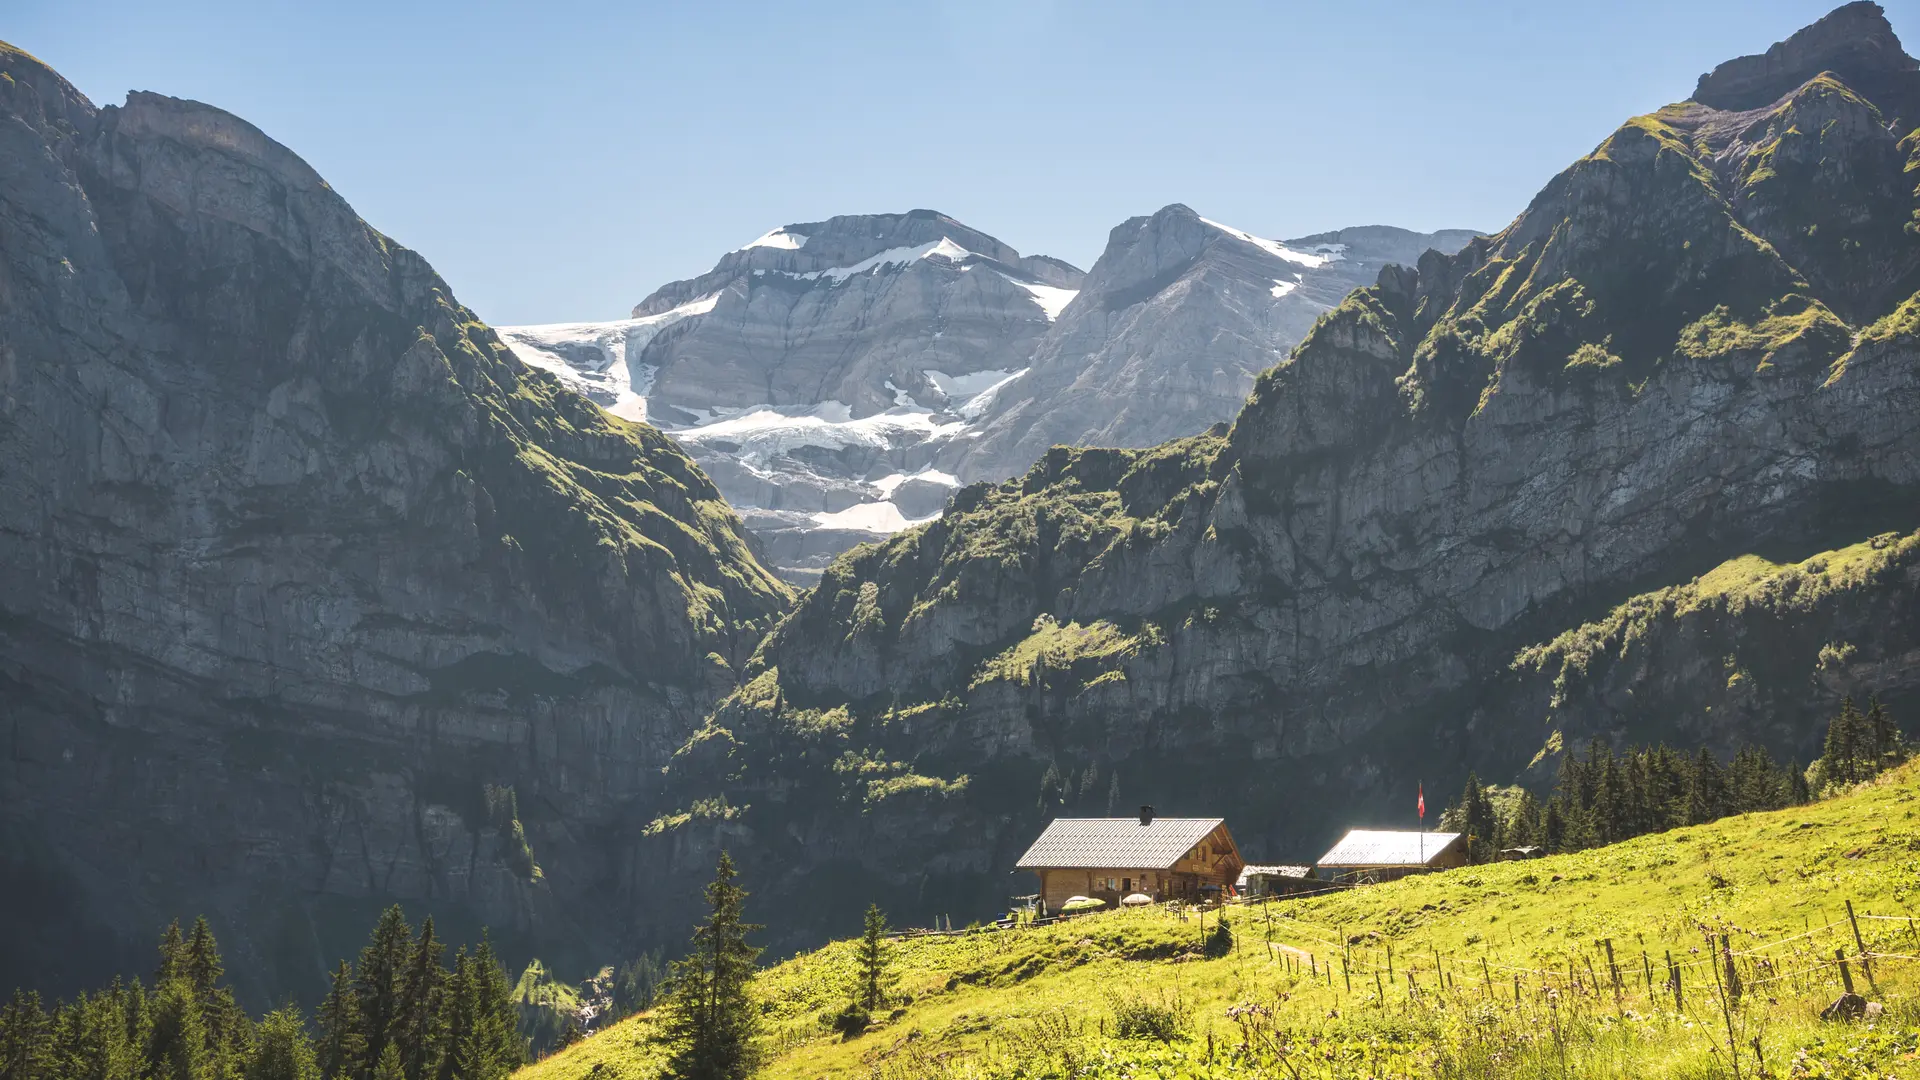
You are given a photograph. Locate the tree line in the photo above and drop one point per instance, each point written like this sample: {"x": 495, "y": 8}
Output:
{"x": 398, "y": 1014}
{"x": 1604, "y": 797}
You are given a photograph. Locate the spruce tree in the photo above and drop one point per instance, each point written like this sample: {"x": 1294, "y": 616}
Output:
{"x": 498, "y": 1013}
{"x": 1839, "y": 756}
{"x": 417, "y": 1027}
{"x": 343, "y": 1040}
{"x": 872, "y": 958}
{"x": 26, "y": 1038}
{"x": 173, "y": 955}
{"x": 389, "y": 1066}
{"x": 376, "y": 982}
{"x": 711, "y": 1021}
{"x": 177, "y": 1044}
{"x": 101, "y": 1049}
{"x": 1113, "y": 792}
{"x": 281, "y": 1049}
{"x": 1882, "y": 736}
{"x": 1553, "y": 826}
{"x": 228, "y": 1030}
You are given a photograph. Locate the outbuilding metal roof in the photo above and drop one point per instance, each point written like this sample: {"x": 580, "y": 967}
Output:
{"x": 1250, "y": 871}
{"x": 1383, "y": 847}
{"x": 1116, "y": 843}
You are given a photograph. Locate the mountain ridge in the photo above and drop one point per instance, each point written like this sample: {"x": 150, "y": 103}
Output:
{"x": 1645, "y": 375}
{"x": 297, "y": 559}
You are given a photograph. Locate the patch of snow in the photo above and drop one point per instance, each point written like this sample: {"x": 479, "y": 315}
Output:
{"x": 780, "y": 238}
{"x": 1273, "y": 247}
{"x": 899, "y": 256}
{"x": 1282, "y": 288}
{"x": 976, "y": 405}
{"x": 961, "y": 387}
{"x": 875, "y": 517}
{"x": 597, "y": 358}
{"x": 765, "y": 432}
{"x": 1331, "y": 252}
{"x": 1051, "y": 300}
{"x": 891, "y": 483}
{"x": 901, "y": 397}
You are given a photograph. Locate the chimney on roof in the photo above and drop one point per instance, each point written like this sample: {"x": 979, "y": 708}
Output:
{"x": 1146, "y": 815}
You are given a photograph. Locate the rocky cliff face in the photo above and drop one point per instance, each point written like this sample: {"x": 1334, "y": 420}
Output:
{"x": 840, "y": 378}
{"x": 819, "y": 371}
{"x": 1697, "y": 343}
{"x": 1174, "y": 322}
{"x": 296, "y": 559}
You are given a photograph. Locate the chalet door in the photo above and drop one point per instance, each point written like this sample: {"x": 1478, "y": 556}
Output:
{"x": 1126, "y": 884}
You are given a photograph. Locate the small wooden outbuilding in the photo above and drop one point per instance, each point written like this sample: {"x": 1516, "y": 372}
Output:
{"x": 1108, "y": 858}
{"x": 1280, "y": 880}
{"x": 1371, "y": 855}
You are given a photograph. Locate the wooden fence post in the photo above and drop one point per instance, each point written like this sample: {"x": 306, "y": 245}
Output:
{"x": 1647, "y": 966}
{"x": 1487, "y": 973}
{"x": 1613, "y": 969}
{"x": 1673, "y": 978}
{"x": 1380, "y": 989}
{"x": 1866, "y": 960}
{"x": 1346, "y": 974}
{"x": 1846, "y": 977}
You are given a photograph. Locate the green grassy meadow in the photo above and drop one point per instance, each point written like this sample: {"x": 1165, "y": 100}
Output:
{"x": 1486, "y": 971}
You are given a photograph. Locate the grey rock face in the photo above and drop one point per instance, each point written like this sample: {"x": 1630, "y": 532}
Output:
{"x": 1173, "y": 322}
{"x": 1854, "y": 41}
{"x": 813, "y": 368}
{"x": 295, "y": 557}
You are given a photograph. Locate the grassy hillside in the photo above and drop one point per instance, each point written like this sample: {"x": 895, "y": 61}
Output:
{"x": 1092, "y": 997}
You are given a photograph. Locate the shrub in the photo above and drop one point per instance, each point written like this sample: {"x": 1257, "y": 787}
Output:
{"x": 1163, "y": 1017}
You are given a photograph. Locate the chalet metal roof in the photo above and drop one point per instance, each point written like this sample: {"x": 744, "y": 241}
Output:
{"x": 1116, "y": 843}
{"x": 1250, "y": 871}
{"x": 1385, "y": 847}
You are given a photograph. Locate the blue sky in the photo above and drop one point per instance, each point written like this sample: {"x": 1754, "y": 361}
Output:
{"x": 559, "y": 160}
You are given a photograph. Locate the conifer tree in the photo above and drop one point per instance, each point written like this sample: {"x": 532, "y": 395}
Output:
{"x": 177, "y": 1044}
{"x": 417, "y": 1027}
{"x": 1522, "y": 828}
{"x": 498, "y": 1013}
{"x": 225, "y": 1023}
{"x": 173, "y": 955}
{"x": 1553, "y": 826}
{"x": 343, "y": 1040}
{"x": 281, "y": 1049}
{"x": 389, "y": 1066}
{"x": 1113, "y": 792}
{"x": 873, "y": 958}
{"x": 711, "y": 1021}
{"x": 1882, "y": 736}
{"x": 377, "y": 979}
{"x": 1840, "y": 754}
{"x": 26, "y": 1038}
{"x": 101, "y": 1048}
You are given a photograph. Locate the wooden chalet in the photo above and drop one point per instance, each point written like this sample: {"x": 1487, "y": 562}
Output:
{"x": 1110, "y": 858}
{"x": 1369, "y": 855}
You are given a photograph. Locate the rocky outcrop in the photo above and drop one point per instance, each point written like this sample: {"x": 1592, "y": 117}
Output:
{"x": 296, "y": 560}
{"x": 1656, "y": 368}
{"x": 1175, "y": 320}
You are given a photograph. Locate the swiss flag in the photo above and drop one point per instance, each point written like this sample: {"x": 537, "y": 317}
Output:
{"x": 1423, "y": 802}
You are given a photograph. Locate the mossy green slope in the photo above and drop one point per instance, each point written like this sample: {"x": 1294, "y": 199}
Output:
{"x": 1047, "y": 1002}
